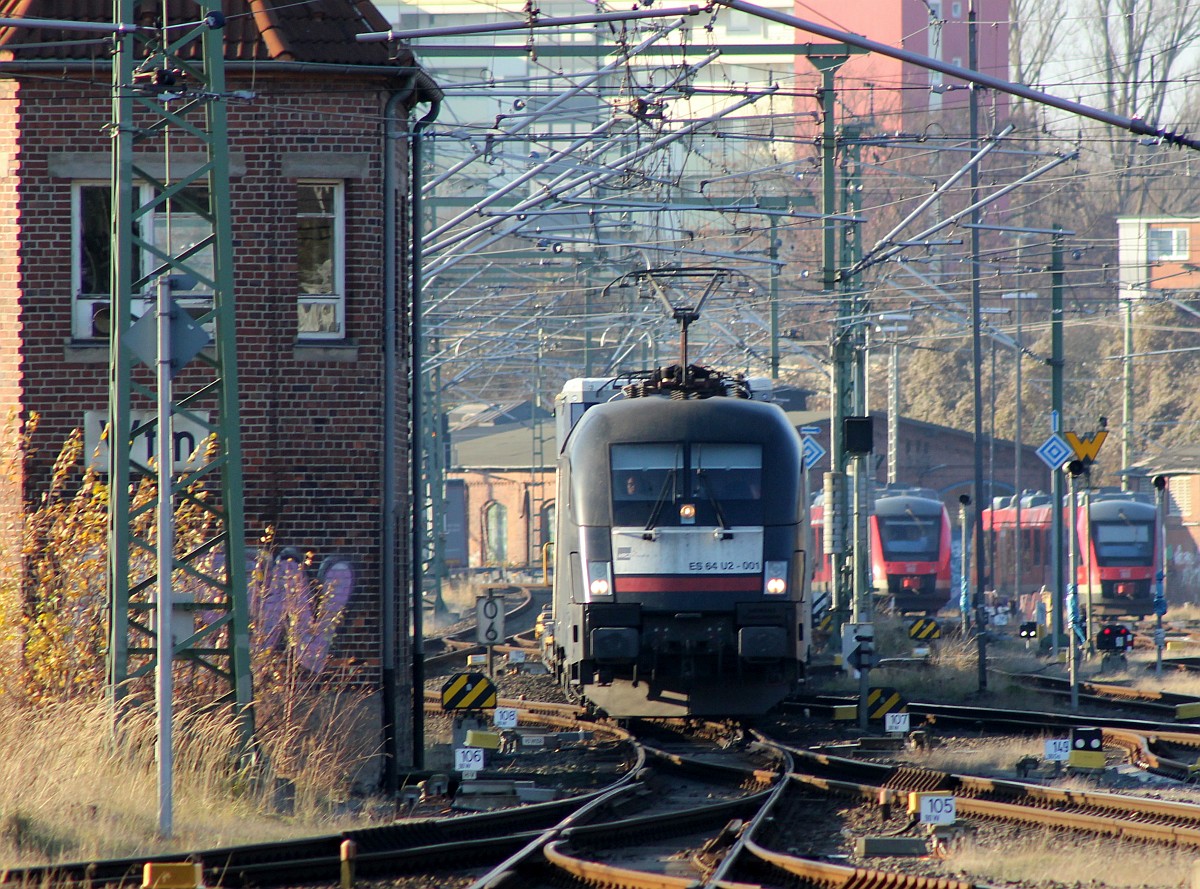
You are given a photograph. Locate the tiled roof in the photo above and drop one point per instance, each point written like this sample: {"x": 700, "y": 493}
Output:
{"x": 319, "y": 31}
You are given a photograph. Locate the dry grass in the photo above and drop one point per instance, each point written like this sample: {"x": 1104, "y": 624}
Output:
{"x": 1046, "y": 858}
{"x": 71, "y": 789}
{"x": 77, "y": 784}
{"x": 996, "y": 758}
{"x": 952, "y": 673}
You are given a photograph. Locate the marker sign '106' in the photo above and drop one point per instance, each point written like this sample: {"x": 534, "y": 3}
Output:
{"x": 937, "y": 809}
{"x": 468, "y": 759}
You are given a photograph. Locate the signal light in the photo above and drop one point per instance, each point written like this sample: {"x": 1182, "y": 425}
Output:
{"x": 1029, "y": 630}
{"x": 1114, "y": 637}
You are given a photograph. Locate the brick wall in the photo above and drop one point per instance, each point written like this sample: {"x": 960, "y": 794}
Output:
{"x": 11, "y": 270}
{"x": 312, "y": 431}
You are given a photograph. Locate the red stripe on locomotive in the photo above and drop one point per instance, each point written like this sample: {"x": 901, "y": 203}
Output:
{"x": 688, "y": 583}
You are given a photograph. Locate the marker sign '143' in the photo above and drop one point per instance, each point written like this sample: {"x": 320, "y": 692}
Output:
{"x": 936, "y": 809}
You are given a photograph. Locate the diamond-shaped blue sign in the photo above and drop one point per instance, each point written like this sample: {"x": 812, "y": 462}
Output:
{"x": 813, "y": 452}
{"x": 1055, "y": 451}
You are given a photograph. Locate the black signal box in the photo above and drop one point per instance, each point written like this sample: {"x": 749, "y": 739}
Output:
{"x": 858, "y": 435}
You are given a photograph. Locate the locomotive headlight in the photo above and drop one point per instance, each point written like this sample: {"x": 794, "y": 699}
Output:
{"x": 775, "y": 578}
{"x": 599, "y": 579}
{"x": 687, "y": 514}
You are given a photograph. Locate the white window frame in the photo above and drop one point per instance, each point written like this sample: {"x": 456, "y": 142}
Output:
{"x": 85, "y": 306}
{"x": 738, "y": 22}
{"x": 309, "y": 302}
{"x": 1180, "y": 248}
{"x": 1179, "y": 496}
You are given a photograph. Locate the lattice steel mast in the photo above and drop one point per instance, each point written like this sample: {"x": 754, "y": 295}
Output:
{"x": 169, "y": 84}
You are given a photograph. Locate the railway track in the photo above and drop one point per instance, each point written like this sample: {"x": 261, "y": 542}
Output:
{"x": 690, "y": 808}
{"x": 450, "y": 649}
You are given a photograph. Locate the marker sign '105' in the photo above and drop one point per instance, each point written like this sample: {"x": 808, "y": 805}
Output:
{"x": 937, "y": 809}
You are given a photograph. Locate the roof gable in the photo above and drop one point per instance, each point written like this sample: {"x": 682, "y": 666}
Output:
{"x": 321, "y": 31}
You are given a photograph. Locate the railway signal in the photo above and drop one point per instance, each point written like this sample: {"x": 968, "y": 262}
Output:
{"x": 858, "y": 646}
{"x": 1028, "y": 630}
{"x": 1114, "y": 637}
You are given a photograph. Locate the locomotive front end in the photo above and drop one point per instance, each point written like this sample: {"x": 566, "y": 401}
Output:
{"x": 688, "y": 560}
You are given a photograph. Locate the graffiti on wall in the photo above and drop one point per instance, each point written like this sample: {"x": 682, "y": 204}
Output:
{"x": 297, "y": 607}
{"x": 1183, "y": 581}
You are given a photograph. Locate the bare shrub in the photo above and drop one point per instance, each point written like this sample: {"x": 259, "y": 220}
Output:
{"x": 96, "y": 788}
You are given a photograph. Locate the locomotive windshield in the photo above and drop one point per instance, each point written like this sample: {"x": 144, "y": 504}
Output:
{"x": 910, "y": 537}
{"x": 722, "y": 481}
{"x": 1123, "y": 542}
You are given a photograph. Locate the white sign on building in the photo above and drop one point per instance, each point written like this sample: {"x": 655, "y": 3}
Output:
{"x": 188, "y": 437}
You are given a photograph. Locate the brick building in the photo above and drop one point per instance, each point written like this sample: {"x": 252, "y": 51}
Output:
{"x": 310, "y": 113}
{"x": 903, "y": 93}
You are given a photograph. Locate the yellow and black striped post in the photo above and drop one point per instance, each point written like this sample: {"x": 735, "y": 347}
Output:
{"x": 469, "y": 691}
{"x": 882, "y": 701}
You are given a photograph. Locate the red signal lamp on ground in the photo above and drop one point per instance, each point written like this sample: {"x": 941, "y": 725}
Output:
{"x": 1114, "y": 637}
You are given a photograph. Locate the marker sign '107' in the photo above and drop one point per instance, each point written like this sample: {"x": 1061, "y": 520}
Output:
{"x": 937, "y": 809}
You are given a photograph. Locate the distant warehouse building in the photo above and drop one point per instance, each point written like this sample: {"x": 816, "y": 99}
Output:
{"x": 310, "y": 112}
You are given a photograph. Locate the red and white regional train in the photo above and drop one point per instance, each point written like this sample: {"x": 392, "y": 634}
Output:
{"x": 909, "y": 544}
{"x": 1117, "y": 536}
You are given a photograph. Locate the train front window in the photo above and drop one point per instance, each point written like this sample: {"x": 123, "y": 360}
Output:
{"x": 642, "y": 476}
{"x": 726, "y": 482}
{"x": 910, "y": 537}
{"x": 722, "y": 481}
{"x": 1123, "y": 543}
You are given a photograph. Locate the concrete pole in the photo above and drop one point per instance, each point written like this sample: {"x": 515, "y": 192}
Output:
{"x": 1127, "y": 387}
{"x": 166, "y": 562}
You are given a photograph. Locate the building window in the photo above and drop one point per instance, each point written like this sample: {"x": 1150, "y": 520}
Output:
{"x": 1167, "y": 243}
{"x": 956, "y": 10}
{"x": 737, "y": 23}
{"x": 320, "y": 258}
{"x": 495, "y": 534}
{"x": 546, "y": 525}
{"x": 1179, "y": 496}
{"x": 173, "y": 226}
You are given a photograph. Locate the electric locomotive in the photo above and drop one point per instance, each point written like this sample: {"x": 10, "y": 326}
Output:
{"x": 680, "y": 582}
